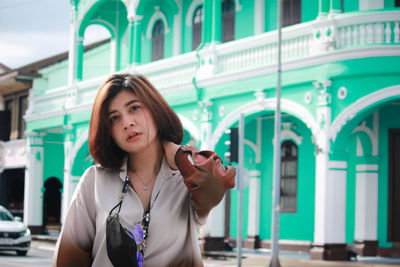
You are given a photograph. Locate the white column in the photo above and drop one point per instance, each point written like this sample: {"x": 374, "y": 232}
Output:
{"x": 366, "y": 217}
{"x": 73, "y": 48}
{"x": 177, "y": 39}
{"x": 370, "y": 4}
{"x": 215, "y": 226}
{"x": 259, "y": 16}
{"x": 69, "y": 185}
{"x": 114, "y": 55}
{"x": 206, "y": 124}
{"x": 330, "y": 178}
{"x": 33, "y": 199}
{"x": 253, "y": 225}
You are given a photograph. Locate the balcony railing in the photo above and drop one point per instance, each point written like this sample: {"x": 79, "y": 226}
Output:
{"x": 304, "y": 41}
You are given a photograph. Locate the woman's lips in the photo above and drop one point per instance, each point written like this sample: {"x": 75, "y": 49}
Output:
{"x": 133, "y": 137}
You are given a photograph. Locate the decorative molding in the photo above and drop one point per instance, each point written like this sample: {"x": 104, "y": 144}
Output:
{"x": 367, "y": 101}
{"x": 190, "y": 12}
{"x": 337, "y": 165}
{"x": 371, "y": 133}
{"x": 221, "y": 111}
{"x": 307, "y": 98}
{"x": 367, "y": 167}
{"x": 342, "y": 93}
{"x": 158, "y": 14}
{"x": 287, "y": 106}
{"x": 288, "y": 134}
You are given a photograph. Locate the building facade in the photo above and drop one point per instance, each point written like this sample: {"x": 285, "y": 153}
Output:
{"x": 216, "y": 59}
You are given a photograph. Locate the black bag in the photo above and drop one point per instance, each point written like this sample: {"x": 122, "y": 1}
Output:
{"x": 121, "y": 248}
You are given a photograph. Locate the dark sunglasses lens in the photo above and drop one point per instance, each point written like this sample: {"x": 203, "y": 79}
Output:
{"x": 138, "y": 233}
{"x": 139, "y": 259}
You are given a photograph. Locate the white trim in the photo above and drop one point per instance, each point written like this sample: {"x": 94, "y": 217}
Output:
{"x": 360, "y": 105}
{"x": 82, "y": 139}
{"x": 156, "y": 15}
{"x": 334, "y": 56}
{"x": 288, "y": 134}
{"x": 177, "y": 34}
{"x": 264, "y": 104}
{"x": 367, "y": 167}
{"x": 191, "y": 9}
{"x": 259, "y": 16}
{"x": 238, "y": 6}
{"x": 190, "y": 126}
{"x": 359, "y": 149}
{"x": 337, "y": 164}
{"x": 370, "y": 4}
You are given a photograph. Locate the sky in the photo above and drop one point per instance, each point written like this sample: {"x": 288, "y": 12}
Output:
{"x": 31, "y": 30}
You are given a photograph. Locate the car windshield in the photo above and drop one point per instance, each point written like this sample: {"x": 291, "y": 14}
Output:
{"x": 5, "y": 216}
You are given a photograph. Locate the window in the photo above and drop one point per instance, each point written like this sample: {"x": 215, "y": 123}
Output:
{"x": 23, "y": 106}
{"x": 289, "y": 177}
{"x": 291, "y": 12}
{"x": 15, "y": 105}
{"x": 197, "y": 27}
{"x": 228, "y": 20}
{"x": 157, "y": 51}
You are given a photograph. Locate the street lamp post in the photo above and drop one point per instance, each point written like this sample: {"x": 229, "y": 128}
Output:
{"x": 276, "y": 192}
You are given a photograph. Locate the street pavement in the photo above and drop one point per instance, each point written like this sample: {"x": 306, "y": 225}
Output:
{"x": 261, "y": 257}
{"x": 291, "y": 259}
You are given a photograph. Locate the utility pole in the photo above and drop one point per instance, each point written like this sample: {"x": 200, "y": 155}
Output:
{"x": 240, "y": 185}
{"x": 276, "y": 190}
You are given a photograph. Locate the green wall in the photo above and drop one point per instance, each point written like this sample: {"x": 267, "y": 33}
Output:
{"x": 53, "y": 159}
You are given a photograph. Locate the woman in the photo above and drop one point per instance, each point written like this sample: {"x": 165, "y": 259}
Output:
{"x": 134, "y": 137}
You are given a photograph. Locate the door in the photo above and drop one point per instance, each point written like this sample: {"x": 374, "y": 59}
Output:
{"x": 394, "y": 186}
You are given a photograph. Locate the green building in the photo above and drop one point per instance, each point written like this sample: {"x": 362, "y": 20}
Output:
{"x": 216, "y": 59}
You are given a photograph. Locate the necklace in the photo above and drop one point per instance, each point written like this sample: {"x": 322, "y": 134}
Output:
{"x": 145, "y": 186}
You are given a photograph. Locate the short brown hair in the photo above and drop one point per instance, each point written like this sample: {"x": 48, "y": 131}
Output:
{"x": 101, "y": 144}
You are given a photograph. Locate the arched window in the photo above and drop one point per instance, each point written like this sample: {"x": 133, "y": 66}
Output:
{"x": 197, "y": 27}
{"x": 228, "y": 20}
{"x": 289, "y": 160}
{"x": 291, "y": 12}
{"x": 157, "y": 49}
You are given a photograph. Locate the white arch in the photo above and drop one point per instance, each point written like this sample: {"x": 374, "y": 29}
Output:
{"x": 369, "y": 100}
{"x": 156, "y": 15}
{"x": 265, "y": 104}
{"x": 82, "y": 139}
{"x": 189, "y": 14}
{"x": 190, "y": 126}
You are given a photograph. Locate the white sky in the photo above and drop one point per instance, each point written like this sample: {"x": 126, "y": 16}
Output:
{"x": 31, "y": 30}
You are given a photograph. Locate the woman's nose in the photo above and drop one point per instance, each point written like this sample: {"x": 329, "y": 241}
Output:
{"x": 128, "y": 123}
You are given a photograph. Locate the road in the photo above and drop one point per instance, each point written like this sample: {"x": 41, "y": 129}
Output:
{"x": 38, "y": 256}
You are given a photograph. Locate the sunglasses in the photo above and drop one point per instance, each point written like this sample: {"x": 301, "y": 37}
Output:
{"x": 139, "y": 235}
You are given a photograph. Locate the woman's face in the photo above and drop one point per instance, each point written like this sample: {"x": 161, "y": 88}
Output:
{"x": 131, "y": 123}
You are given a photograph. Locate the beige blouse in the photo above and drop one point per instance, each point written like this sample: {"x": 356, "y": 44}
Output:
{"x": 172, "y": 239}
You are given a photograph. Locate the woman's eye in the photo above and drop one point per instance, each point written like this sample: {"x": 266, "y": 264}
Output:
{"x": 113, "y": 118}
{"x": 133, "y": 108}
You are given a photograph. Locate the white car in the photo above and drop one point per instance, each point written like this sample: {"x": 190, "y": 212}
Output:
{"x": 14, "y": 235}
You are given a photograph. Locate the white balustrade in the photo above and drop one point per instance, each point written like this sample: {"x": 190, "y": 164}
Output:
{"x": 343, "y": 31}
